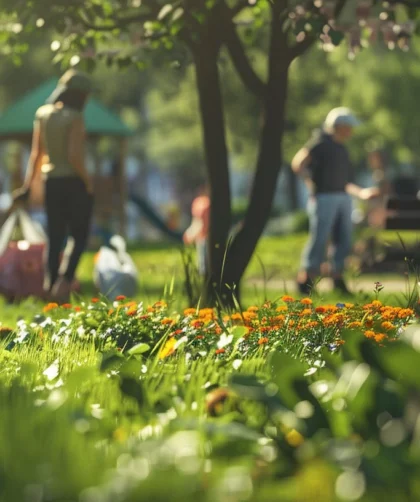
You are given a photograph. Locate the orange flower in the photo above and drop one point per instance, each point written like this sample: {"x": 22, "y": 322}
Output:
{"x": 77, "y": 309}
{"x": 218, "y": 330}
{"x": 349, "y": 305}
{"x": 279, "y": 318}
{"x": 190, "y": 311}
{"x": 253, "y": 309}
{"x": 196, "y": 324}
{"x": 311, "y": 324}
{"x": 206, "y": 313}
{"x": 199, "y": 337}
{"x": 132, "y": 311}
{"x": 94, "y": 300}
{"x": 262, "y": 340}
{"x": 166, "y": 321}
{"x": 249, "y": 316}
{"x": 403, "y": 313}
{"x": 354, "y": 324}
{"x": 220, "y": 351}
{"x": 305, "y": 312}
{"x": 306, "y": 301}
{"x": 236, "y": 317}
{"x": 130, "y": 304}
{"x": 66, "y": 306}
{"x": 369, "y": 334}
{"x": 282, "y": 308}
{"x": 142, "y": 317}
{"x": 176, "y": 332}
{"x": 120, "y": 298}
{"x": 376, "y": 303}
{"x": 320, "y": 309}
{"x": 50, "y": 306}
{"x": 380, "y": 337}
{"x": 387, "y": 325}
{"x": 111, "y": 311}
{"x": 160, "y": 305}
{"x": 168, "y": 349}
{"x": 287, "y": 298}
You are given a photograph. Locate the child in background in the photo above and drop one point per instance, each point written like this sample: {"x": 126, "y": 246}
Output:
{"x": 197, "y": 232}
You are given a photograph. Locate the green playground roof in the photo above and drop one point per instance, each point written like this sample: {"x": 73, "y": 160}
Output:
{"x": 16, "y": 122}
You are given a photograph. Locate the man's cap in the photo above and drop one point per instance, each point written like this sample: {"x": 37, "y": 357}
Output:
{"x": 72, "y": 80}
{"x": 341, "y": 116}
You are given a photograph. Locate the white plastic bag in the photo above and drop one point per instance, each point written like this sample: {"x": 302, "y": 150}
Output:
{"x": 32, "y": 233}
{"x": 115, "y": 272}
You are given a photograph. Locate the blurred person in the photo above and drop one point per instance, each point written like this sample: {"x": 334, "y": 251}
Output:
{"x": 58, "y": 152}
{"x": 324, "y": 164}
{"x": 197, "y": 232}
{"x": 376, "y": 211}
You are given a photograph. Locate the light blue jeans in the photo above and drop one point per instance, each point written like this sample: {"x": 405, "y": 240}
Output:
{"x": 329, "y": 219}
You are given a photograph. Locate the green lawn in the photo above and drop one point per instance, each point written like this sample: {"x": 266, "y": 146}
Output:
{"x": 274, "y": 264}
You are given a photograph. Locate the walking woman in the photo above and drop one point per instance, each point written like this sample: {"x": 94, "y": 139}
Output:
{"x": 58, "y": 151}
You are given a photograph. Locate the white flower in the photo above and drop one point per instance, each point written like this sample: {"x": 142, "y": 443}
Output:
{"x": 224, "y": 340}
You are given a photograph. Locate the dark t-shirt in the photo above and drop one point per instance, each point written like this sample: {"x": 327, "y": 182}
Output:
{"x": 330, "y": 166}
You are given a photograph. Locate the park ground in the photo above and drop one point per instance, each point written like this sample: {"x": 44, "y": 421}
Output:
{"x": 271, "y": 274}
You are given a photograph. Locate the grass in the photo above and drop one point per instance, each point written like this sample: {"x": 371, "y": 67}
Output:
{"x": 270, "y": 274}
{"x": 90, "y": 415}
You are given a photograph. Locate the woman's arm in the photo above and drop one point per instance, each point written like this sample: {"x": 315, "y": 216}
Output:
{"x": 76, "y": 152}
{"x": 34, "y": 164}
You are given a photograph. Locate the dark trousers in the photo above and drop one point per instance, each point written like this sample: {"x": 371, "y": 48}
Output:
{"x": 69, "y": 211}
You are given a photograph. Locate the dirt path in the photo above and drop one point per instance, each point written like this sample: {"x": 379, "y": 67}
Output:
{"x": 360, "y": 284}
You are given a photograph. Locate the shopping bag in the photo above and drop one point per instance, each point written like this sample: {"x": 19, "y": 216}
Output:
{"x": 115, "y": 273}
{"x": 22, "y": 245}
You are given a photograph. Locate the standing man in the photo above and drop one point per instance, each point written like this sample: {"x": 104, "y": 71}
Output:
{"x": 324, "y": 164}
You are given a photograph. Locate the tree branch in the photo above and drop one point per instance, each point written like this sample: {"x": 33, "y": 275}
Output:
{"x": 240, "y": 60}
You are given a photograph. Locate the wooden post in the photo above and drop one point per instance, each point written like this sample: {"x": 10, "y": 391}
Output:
{"x": 122, "y": 188}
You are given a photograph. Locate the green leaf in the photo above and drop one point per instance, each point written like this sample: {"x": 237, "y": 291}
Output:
{"x": 110, "y": 360}
{"x": 140, "y": 348}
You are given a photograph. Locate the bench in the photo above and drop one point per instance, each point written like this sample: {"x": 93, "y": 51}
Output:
{"x": 403, "y": 213}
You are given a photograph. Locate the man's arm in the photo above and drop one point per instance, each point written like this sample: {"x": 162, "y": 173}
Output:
{"x": 362, "y": 193}
{"x": 300, "y": 166}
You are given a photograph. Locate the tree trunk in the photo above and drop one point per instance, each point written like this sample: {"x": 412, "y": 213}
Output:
{"x": 268, "y": 165}
{"x": 214, "y": 137}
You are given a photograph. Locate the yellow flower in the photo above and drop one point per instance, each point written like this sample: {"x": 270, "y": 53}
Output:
{"x": 294, "y": 438}
{"x": 168, "y": 349}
